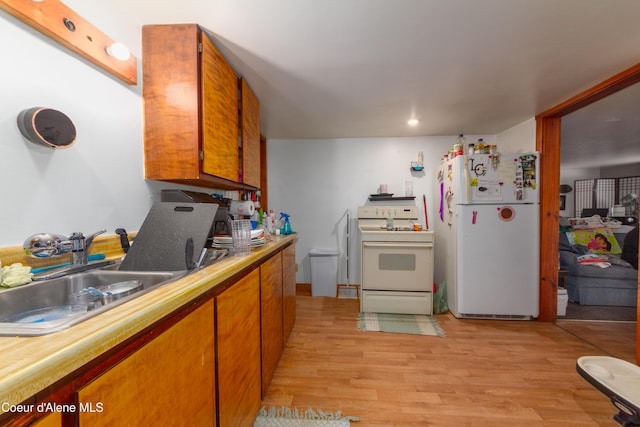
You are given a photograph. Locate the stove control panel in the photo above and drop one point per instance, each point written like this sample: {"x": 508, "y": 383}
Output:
{"x": 382, "y": 212}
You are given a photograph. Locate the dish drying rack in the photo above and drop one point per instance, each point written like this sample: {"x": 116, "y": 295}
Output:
{"x": 348, "y": 291}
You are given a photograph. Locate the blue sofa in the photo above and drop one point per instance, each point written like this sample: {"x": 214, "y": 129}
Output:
{"x": 591, "y": 285}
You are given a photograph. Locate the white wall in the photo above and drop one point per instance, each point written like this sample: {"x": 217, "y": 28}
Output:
{"x": 518, "y": 139}
{"x": 620, "y": 171}
{"x": 97, "y": 182}
{"x": 570, "y": 175}
{"x": 318, "y": 181}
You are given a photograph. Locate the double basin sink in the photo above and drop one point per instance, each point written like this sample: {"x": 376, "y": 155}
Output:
{"x": 47, "y": 306}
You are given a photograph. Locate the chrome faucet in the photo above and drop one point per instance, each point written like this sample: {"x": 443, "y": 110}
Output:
{"x": 80, "y": 247}
{"x": 45, "y": 245}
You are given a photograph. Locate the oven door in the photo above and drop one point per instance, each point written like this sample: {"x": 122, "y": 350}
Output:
{"x": 399, "y": 266}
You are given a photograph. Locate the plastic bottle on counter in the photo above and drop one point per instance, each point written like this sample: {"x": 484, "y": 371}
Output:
{"x": 389, "y": 222}
{"x": 286, "y": 226}
{"x": 272, "y": 222}
{"x": 254, "y": 220}
{"x": 260, "y": 217}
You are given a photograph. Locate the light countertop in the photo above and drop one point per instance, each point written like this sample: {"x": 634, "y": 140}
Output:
{"x": 30, "y": 364}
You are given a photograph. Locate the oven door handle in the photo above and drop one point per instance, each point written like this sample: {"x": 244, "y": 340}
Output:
{"x": 401, "y": 245}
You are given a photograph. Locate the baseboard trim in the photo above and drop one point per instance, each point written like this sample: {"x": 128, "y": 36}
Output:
{"x": 305, "y": 288}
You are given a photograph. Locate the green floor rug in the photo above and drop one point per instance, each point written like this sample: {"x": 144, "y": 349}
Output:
{"x": 292, "y": 417}
{"x": 400, "y": 324}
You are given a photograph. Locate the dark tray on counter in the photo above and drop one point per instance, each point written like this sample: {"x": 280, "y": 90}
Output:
{"x": 380, "y": 198}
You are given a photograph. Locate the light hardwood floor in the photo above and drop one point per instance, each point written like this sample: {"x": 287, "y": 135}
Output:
{"x": 617, "y": 339}
{"x": 484, "y": 373}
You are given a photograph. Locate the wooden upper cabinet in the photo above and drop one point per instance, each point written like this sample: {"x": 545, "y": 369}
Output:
{"x": 219, "y": 114}
{"x": 250, "y": 132}
{"x": 190, "y": 108}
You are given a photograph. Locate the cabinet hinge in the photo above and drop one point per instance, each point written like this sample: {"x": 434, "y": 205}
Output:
{"x": 199, "y": 47}
{"x": 201, "y": 155}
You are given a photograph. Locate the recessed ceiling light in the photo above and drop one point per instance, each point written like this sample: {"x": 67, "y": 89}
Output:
{"x": 413, "y": 122}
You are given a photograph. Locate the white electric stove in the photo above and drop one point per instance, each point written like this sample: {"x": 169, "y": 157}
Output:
{"x": 396, "y": 262}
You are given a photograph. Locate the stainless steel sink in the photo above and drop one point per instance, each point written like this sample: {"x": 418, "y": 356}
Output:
{"x": 47, "y": 306}
{"x": 67, "y": 297}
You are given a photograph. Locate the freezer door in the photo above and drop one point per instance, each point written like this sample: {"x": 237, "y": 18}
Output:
{"x": 501, "y": 178}
{"x": 498, "y": 258}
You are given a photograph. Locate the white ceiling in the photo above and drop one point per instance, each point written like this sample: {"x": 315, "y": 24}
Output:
{"x": 604, "y": 133}
{"x": 361, "y": 68}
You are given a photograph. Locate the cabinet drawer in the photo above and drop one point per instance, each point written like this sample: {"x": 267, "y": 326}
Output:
{"x": 397, "y": 302}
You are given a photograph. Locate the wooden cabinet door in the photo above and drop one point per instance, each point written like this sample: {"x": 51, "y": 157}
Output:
{"x": 171, "y": 96}
{"x": 288, "y": 291}
{"x": 190, "y": 95}
{"x": 238, "y": 352}
{"x": 219, "y": 114}
{"x": 250, "y": 114}
{"x": 271, "y": 309}
{"x": 168, "y": 382}
{"x": 52, "y": 420}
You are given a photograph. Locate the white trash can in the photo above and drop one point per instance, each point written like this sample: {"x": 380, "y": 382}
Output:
{"x": 324, "y": 272}
{"x": 563, "y": 300}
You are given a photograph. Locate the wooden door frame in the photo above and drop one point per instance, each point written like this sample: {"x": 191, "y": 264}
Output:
{"x": 264, "y": 194}
{"x": 548, "y": 130}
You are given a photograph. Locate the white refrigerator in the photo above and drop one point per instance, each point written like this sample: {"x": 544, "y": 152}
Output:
{"x": 487, "y": 231}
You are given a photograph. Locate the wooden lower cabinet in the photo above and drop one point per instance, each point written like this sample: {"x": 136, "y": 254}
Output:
{"x": 271, "y": 310}
{"x": 51, "y": 420}
{"x": 238, "y": 352}
{"x": 288, "y": 291}
{"x": 166, "y": 382}
{"x": 277, "y": 307}
{"x": 205, "y": 365}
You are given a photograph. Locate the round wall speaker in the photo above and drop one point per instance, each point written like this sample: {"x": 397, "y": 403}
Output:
{"x": 48, "y": 127}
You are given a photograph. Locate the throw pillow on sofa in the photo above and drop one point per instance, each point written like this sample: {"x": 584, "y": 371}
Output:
{"x": 600, "y": 240}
